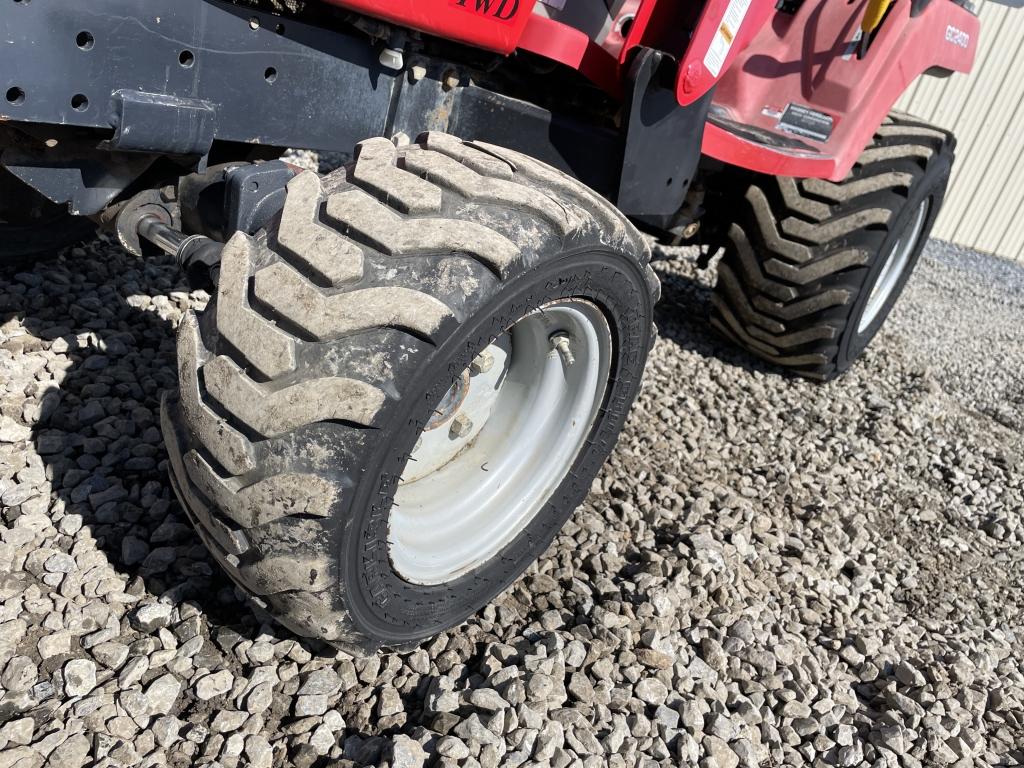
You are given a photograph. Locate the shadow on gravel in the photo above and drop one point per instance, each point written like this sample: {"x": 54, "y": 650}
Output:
{"x": 682, "y": 316}
{"x": 96, "y": 353}
{"x": 90, "y": 335}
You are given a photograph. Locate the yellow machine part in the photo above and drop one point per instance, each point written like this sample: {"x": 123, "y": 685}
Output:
{"x": 873, "y": 15}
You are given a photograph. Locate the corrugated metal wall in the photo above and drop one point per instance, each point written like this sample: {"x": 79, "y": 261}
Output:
{"x": 985, "y": 205}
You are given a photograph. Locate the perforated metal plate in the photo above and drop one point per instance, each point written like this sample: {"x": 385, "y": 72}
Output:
{"x": 267, "y": 79}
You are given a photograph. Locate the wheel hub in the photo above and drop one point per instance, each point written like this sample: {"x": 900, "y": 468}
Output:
{"x": 895, "y": 265}
{"x": 515, "y": 421}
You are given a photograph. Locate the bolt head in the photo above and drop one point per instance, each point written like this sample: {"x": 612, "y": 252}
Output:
{"x": 482, "y": 363}
{"x": 461, "y": 426}
{"x": 417, "y": 72}
{"x": 560, "y": 342}
{"x": 392, "y": 59}
{"x": 451, "y": 81}
{"x": 690, "y": 77}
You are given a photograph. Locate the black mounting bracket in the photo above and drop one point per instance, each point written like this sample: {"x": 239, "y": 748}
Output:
{"x": 175, "y": 125}
{"x": 254, "y": 194}
{"x": 662, "y": 141}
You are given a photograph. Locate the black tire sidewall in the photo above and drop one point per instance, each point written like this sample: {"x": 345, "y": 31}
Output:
{"x": 931, "y": 187}
{"x": 395, "y": 612}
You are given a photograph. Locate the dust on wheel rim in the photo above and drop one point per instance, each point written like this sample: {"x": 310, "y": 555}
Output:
{"x": 500, "y": 442}
{"x": 895, "y": 266}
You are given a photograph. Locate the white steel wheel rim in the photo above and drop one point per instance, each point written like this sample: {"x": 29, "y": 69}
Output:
{"x": 500, "y": 442}
{"x": 895, "y": 265}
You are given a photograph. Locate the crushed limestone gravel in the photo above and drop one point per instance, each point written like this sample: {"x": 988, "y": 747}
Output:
{"x": 767, "y": 572}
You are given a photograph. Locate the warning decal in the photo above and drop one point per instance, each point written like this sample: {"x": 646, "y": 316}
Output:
{"x": 804, "y": 121}
{"x": 714, "y": 59}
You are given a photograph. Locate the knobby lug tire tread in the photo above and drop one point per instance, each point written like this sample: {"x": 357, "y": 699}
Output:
{"x": 799, "y": 250}
{"x": 283, "y": 356}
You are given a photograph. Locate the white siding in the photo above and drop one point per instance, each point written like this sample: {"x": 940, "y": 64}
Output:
{"x": 984, "y": 208}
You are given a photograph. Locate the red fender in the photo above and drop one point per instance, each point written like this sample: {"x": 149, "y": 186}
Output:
{"x": 810, "y": 60}
{"x": 792, "y": 95}
{"x": 725, "y": 29}
{"x": 495, "y": 25}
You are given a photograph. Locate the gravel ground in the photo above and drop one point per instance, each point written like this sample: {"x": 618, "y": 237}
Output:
{"x": 961, "y": 293}
{"x": 767, "y": 572}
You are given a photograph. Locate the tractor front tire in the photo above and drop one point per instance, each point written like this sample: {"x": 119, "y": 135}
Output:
{"x": 406, "y": 384}
{"x": 812, "y": 268}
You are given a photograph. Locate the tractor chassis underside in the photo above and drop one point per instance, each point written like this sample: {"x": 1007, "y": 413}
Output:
{"x": 207, "y": 81}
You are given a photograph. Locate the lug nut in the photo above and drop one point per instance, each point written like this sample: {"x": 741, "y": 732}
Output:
{"x": 417, "y": 72}
{"x": 481, "y": 363}
{"x": 460, "y": 426}
{"x": 560, "y": 343}
{"x": 451, "y": 81}
{"x": 691, "y": 230}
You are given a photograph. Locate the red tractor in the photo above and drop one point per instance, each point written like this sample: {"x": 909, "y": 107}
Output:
{"x": 413, "y": 367}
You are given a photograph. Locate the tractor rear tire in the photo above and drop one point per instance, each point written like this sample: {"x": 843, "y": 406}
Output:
{"x": 338, "y": 364}
{"x": 812, "y": 268}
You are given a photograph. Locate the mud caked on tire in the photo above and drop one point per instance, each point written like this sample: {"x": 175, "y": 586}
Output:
{"x": 406, "y": 384}
{"x": 812, "y": 268}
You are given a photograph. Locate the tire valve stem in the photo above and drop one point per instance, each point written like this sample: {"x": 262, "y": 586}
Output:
{"x": 461, "y": 425}
{"x": 560, "y": 343}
